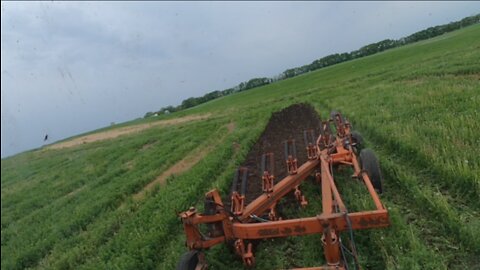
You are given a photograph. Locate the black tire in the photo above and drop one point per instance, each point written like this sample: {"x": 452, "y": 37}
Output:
{"x": 369, "y": 163}
{"x": 188, "y": 261}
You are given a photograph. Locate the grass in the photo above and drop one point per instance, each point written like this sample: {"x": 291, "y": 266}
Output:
{"x": 417, "y": 107}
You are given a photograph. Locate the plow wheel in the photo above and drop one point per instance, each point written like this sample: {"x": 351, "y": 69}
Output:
{"x": 191, "y": 260}
{"x": 369, "y": 163}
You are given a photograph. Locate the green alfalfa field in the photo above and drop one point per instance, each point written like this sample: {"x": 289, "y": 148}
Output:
{"x": 417, "y": 107}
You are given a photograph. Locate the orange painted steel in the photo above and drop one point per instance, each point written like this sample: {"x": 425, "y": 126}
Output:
{"x": 311, "y": 225}
{"x": 282, "y": 188}
{"x": 242, "y": 224}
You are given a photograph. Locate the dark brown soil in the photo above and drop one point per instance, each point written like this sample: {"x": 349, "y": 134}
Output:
{"x": 288, "y": 123}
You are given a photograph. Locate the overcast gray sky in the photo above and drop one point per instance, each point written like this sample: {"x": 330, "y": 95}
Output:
{"x": 71, "y": 67}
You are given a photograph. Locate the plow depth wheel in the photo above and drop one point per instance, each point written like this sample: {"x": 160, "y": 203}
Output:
{"x": 188, "y": 261}
{"x": 369, "y": 163}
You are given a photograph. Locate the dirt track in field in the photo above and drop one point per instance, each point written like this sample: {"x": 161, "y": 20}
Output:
{"x": 182, "y": 166}
{"x": 110, "y": 134}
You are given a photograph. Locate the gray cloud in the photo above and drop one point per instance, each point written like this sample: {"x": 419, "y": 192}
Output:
{"x": 70, "y": 67}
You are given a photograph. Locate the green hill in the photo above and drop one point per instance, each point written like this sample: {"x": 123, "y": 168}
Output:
{"x": 90, "y": 206}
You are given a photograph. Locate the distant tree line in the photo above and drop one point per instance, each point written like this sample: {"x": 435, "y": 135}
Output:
{"x": 194, "y": 101}
{"x": 323, "y": 62}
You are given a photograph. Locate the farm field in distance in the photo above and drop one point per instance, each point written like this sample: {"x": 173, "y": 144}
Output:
{"x": 90, "y": 205}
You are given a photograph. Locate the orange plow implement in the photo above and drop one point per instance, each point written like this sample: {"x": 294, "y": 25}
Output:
{"x": 239, "y": 224}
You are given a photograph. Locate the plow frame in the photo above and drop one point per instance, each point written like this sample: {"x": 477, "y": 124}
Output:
{"x": 245, "y": 224}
